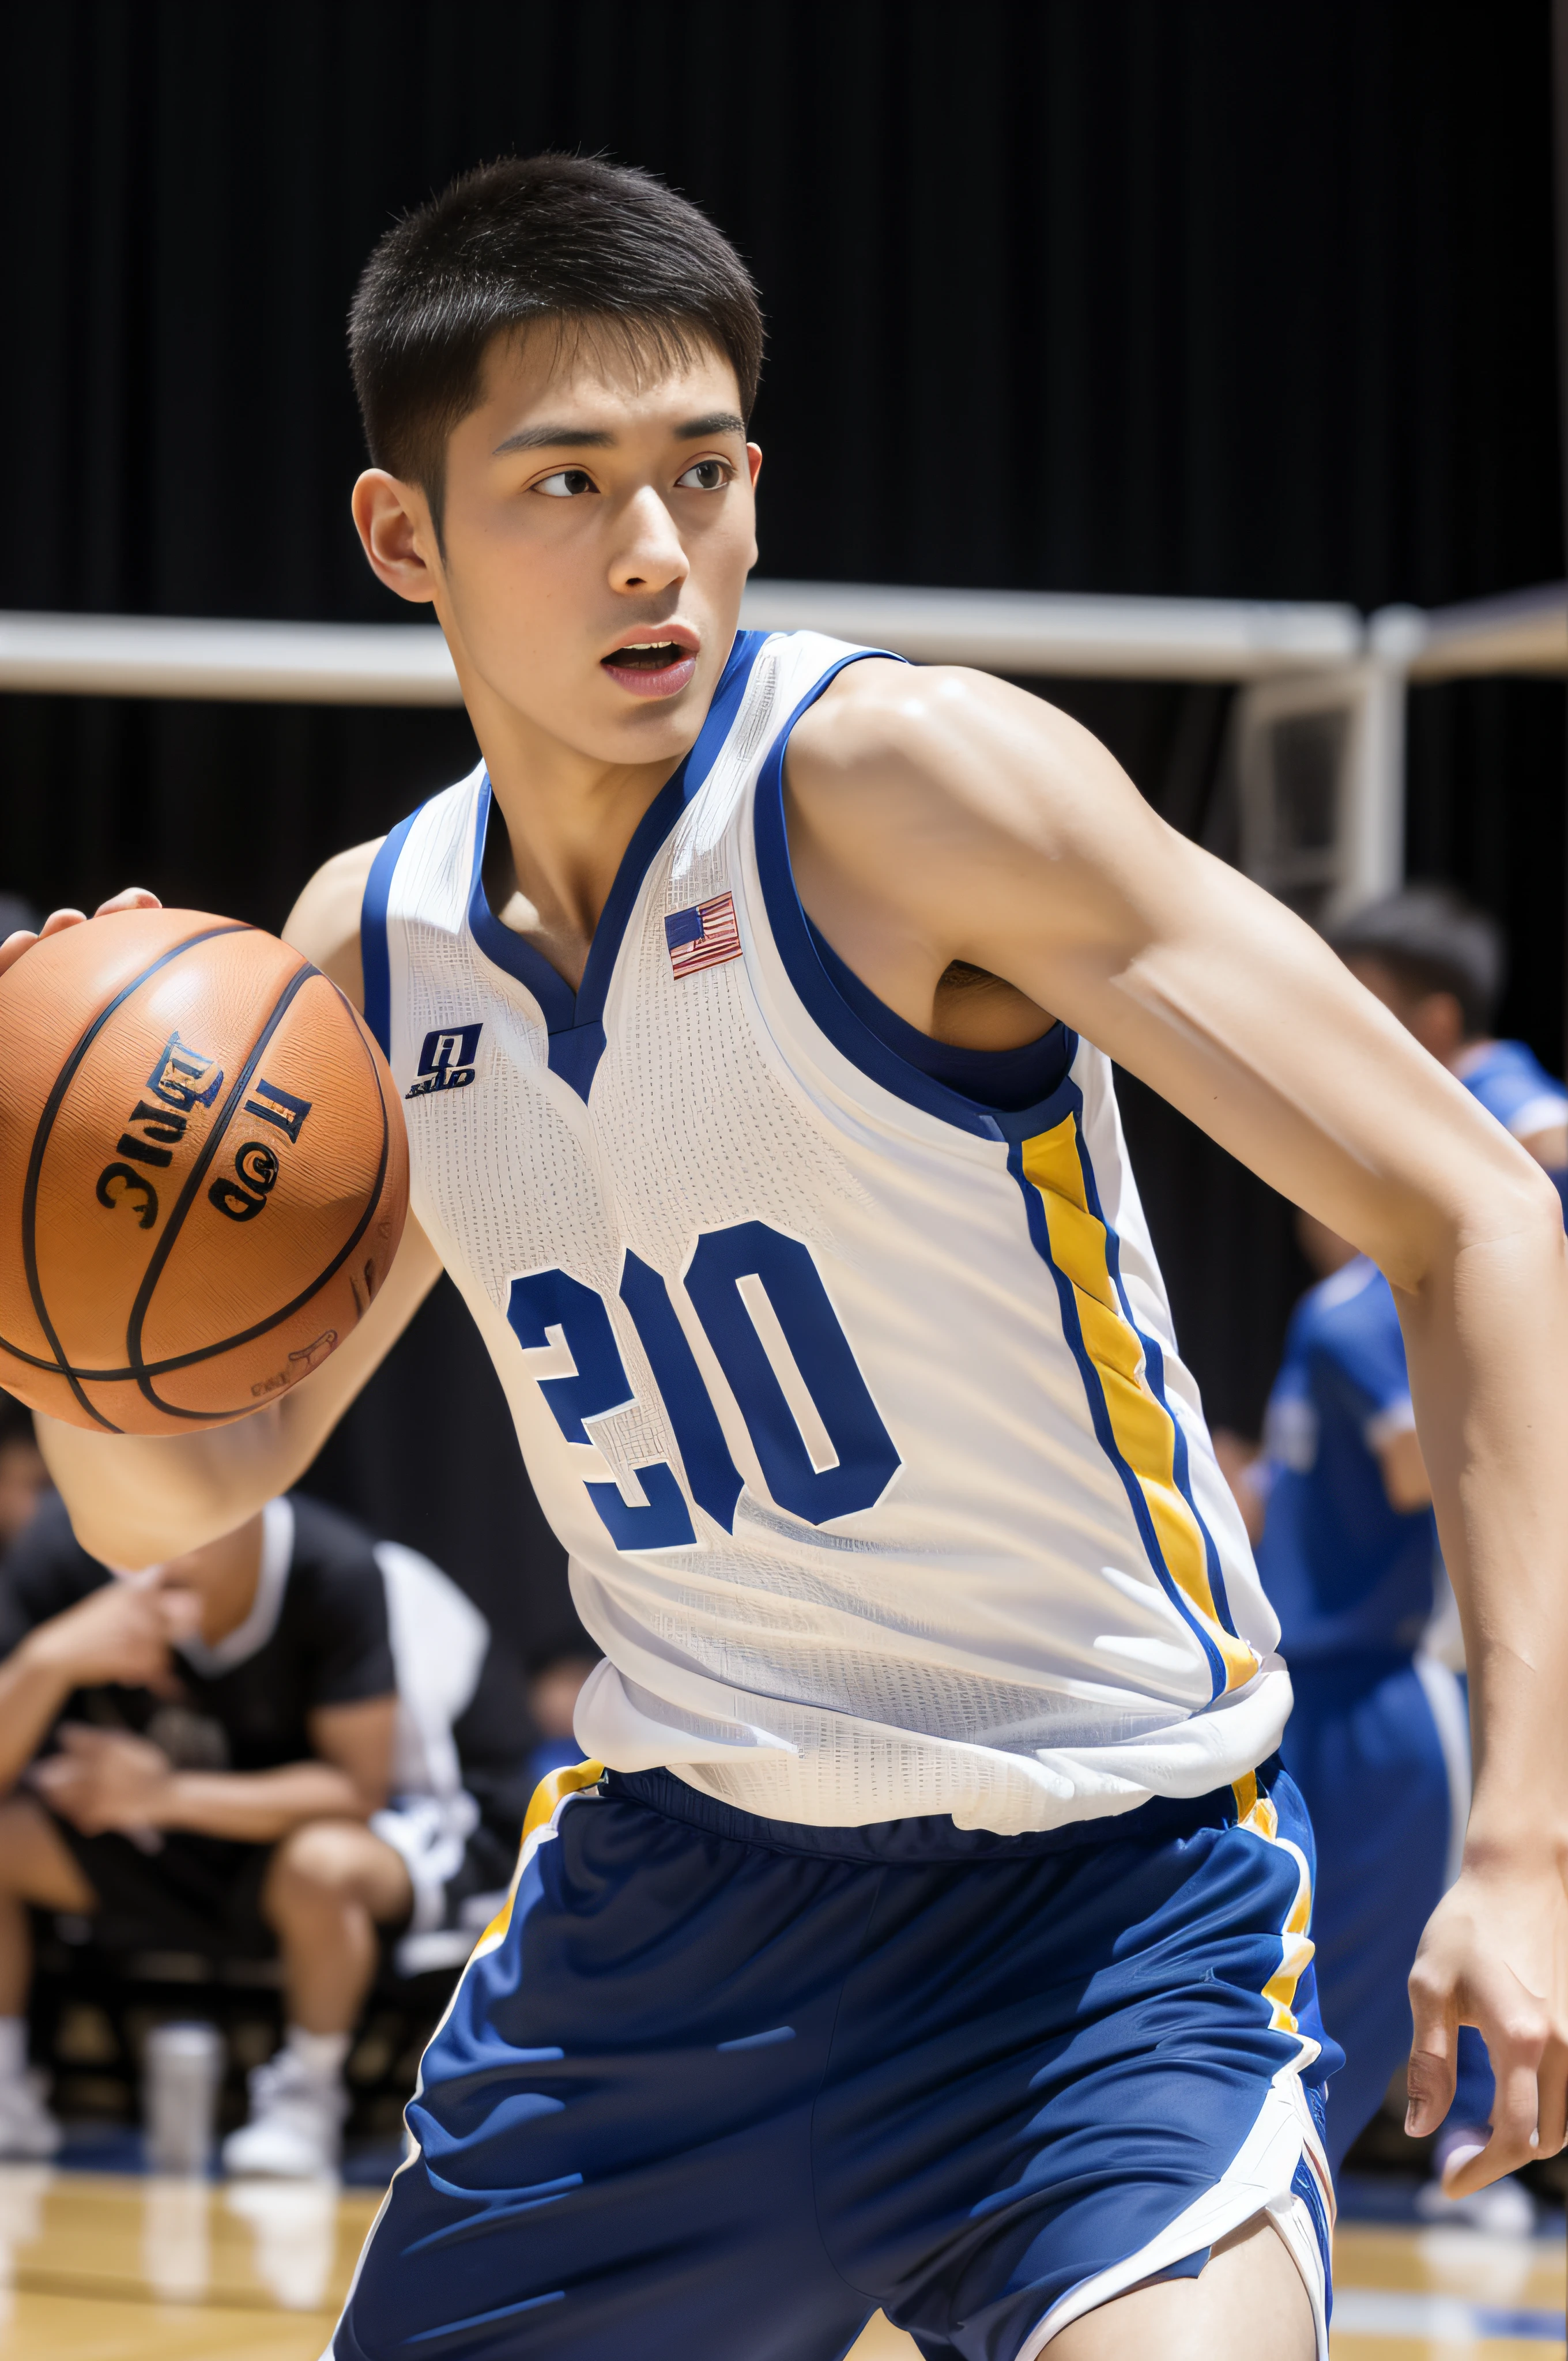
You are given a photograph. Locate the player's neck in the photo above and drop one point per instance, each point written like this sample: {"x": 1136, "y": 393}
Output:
{"x": 230, "y": 1574}
{"x": 568, "y": 820}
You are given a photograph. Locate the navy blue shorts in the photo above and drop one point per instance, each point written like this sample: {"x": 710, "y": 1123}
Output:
{"x": 715, "y": 2089}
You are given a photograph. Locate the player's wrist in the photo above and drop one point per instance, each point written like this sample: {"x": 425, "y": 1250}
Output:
{"x": 49, "y": 1658}
{"x": 162, "y": 1800}
{"x": 1505, "y": 1836}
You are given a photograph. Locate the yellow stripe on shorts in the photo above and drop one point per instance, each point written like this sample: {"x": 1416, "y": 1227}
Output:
{"x": 1144, "y": 1431}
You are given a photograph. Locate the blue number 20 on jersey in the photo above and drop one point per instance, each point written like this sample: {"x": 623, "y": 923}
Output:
{"x": 764, "y": 1309}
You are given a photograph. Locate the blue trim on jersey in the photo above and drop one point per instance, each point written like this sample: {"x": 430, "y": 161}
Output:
{"x": 1095, "y": 1393}
{"x": 374, "y": 955}
{"x": 573, "y": 1021}
{"x": 1005, "y": 1080}
{"x": 866, "y": 1038}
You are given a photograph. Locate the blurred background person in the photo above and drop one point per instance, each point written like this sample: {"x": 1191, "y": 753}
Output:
{"x": 1339, "y": 1505}
{"x": 191, "y": 1756}
{"x": 1439, "y": 964}
{"x": 295, "y": 1736}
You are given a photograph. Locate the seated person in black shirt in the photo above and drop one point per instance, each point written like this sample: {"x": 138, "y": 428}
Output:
{"x": 191, "y": 1756}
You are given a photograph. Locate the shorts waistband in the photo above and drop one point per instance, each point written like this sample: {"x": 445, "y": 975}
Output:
{"x": 918, "y": 1843}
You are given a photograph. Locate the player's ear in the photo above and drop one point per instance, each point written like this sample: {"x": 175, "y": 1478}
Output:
{"x": 393, "y": 519}
{"x": 754, "y": 461}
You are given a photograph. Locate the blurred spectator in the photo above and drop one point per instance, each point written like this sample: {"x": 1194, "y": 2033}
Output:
{"x": 231, "y": 1768}
{"x": 209, "y": 1739}
{"x": 24, "y": 1478}
{"x": 1339, "y": 1503}
{"x": 1439, "y": 964}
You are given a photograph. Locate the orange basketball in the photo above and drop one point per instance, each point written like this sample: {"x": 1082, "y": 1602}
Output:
{"x": 203, "y": 1171}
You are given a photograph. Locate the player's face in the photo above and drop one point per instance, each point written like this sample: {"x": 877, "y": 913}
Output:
{"x": 598, "y": 529}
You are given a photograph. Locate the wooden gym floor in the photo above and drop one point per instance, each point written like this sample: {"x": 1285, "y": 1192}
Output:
{"x": 100, "y": 2267}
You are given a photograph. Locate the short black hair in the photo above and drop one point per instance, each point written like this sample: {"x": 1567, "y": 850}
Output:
{"x": 1433, "y": 941}
{"x": 564, "y": 239}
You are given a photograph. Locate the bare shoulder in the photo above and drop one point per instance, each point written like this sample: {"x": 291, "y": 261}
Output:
{"x": 325, "y": 922}
{"x": 912, "y": 743}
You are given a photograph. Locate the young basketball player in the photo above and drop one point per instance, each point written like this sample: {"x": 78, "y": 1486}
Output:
{"x": 929, "y": 1926}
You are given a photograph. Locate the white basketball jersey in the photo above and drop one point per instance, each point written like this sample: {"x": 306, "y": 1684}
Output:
{"x": 853, "y": 1398}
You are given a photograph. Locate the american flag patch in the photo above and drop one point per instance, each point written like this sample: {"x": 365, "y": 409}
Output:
{"x": 704, "y": 936}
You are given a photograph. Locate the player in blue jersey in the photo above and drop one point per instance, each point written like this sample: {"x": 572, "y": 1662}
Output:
{"x": 1349, "y": 1550}
{"x": 1348, "y": 1553}
{"x": 930, "y": 1925}
{"x": 1439, "y": 964}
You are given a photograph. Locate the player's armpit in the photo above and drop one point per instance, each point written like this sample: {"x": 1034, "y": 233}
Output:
{"x": 136, "y": 1499}
{"x": 325, "y": 922}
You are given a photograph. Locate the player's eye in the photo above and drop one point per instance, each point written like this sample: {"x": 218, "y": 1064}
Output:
{"x": 707, "y": 476}
{"x": 567, "y": 483}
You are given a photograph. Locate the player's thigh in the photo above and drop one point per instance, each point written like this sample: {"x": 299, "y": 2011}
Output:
{"x": 328, "y": 1862}
{"x": 1249, "y": 2303}
{"x": 36, "y": 1863}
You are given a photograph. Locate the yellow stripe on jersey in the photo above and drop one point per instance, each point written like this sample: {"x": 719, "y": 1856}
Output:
{"x": 543, "y": 1804}
{"x": 1256, "y": 1812}
{"x": 1144, "y": 1429}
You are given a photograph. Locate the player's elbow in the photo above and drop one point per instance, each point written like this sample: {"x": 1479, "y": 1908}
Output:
{"x": 1511, "y": 1204}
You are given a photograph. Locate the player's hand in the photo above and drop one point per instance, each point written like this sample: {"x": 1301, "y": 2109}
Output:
{"x": 1494, "y": 1955}
{"x": 131, "y": 897}
{"x": 121, "y": 1633}
{"x": 105, "y": 1779}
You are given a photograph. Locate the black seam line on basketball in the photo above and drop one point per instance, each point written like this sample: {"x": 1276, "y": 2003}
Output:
{"x": 125, "y": 1374}
{"x": 52, "y": 1105}
{"x": 199, "y": 1170}
{"x": 248, "y": 1335}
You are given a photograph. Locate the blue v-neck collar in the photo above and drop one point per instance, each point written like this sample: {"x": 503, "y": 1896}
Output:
{"x": 574, "y": 1020}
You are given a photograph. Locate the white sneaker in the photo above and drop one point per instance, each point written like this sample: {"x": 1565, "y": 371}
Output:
{"x": 295, "y": 2131}
{"x": 28, "y": 2130}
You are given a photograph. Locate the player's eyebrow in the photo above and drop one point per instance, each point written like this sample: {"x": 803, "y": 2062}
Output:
{"x": 716, "y": 421}
{"x": 552, "y": 436}
{"x": 555, "y": 437}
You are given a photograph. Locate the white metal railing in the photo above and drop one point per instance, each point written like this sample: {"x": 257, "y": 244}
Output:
{"x": 1322, "y": 691}
{"x": 407, "y": 663}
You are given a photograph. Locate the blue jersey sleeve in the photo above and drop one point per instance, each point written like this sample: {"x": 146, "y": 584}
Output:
{"x": 1512, "y": 1084}
{"x": 1356, "y": 1348}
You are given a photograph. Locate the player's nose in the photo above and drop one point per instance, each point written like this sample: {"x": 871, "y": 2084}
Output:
{"x": 649, "y": 554}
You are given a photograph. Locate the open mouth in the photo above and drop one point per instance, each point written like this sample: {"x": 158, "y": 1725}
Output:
{"x": 651, "y": 667}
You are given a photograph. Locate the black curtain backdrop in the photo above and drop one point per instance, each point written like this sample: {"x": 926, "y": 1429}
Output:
{"x": 1076, "y": 294}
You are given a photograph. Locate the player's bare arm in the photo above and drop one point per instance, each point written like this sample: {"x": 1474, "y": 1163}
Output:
{"x": 112, "y": 1779}
{"x": 138, "y": 1499}
{"x": 1026, "y": 852}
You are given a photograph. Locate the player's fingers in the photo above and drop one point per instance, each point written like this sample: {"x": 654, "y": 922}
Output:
{"x": 1551, "y": 2102}
{"x": 129, "y": 897}
{"x": 1429, "y": 2076}
{"x": 13, "y": 947}
{"x": 58, "y": 921}
{"x": 1517, "y": 2032}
